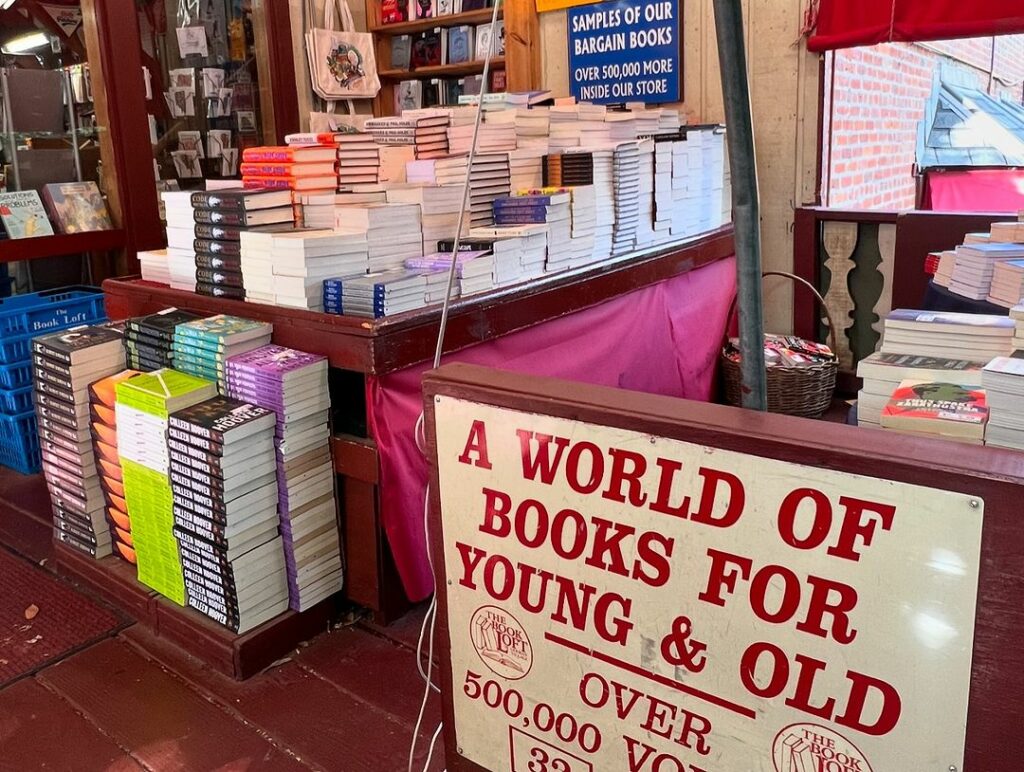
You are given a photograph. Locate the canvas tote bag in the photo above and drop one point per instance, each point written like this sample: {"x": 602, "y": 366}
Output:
{"x": 342, "y": 62}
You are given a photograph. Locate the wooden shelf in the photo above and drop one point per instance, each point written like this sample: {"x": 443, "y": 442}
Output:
{"x": 444, "y": 70}
{"x": 481, "y": 16}
{"x": 60, "y": 244}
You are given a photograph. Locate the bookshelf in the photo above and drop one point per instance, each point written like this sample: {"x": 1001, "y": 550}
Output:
{"x": 521, "y": 62}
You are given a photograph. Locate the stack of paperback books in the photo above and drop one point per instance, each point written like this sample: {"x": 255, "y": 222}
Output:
{"x": 552, "y": 210}
{"x": 202, "y": 347}
{"x": 102, "y": 403}
{"x": 489, "y": 179}
{"x": 154, "y": 266}
{"x": 977, "y": 337}
{"x": 975, "y": 264}
{"x": 181, "y": 236}
{"x": 645, "y": 234}
{"x": 358, "y": 160}
{"x": 520, "y": 252}
{"x": 882, "y": 374}
{"x": 294, "y": 385}
{"x": 303, "y": 259}
{"x": 491, "y": 138}
{"x": 426, "y": 132}
{"x": 1007, "y": 283}
{"x": 583, "y": 219}
{"x": 474, "y": 272}
{"x": 392, "y": 232}
{"x": 144, "y": 404}
{"x": 439, "y": 211}
{"x": 256, "y": 251}
{"x": 290, "y": 167}
{"x": 937, "y": 409}
{"x": 526, "y": 168}
{"x": 1010, "y": 232}
{"x": 64, "y": 364}
{"x": 1003, "y": 381}
{"x": 149, "y": 340}
{"x": 223, "y": 474}
{"x": 384, "y": 293}
{"x": 532, "y": 127}
{"x": 221, "y": 217}
{"x": 944, "y": 268}
{"x": 626, "y": 177}
{"x": 1017, "y": 314}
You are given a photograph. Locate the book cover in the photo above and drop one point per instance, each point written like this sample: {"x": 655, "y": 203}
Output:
{"x": 77, "y": 207}
{"x": 921, "y": 402}
{"x": 394, "y": 11}
{"x": 240, "y": 199}
{"x": 23, "y": 215}
{"x": 223, "y": 420}
{"x": 401, "y": 52}
{"x": 484, "y": 41}
{"x": 72, "y": 346}
{"x": 275, "y": 362}
{"x": 286, "y": 154}
{"x": 162, "y": 324}
{"x": 426, "y": 49}
{"x": 215, "y": 328}
{"x": 425, "y": 9}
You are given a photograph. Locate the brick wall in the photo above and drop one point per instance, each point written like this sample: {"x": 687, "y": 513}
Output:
{"x": 874, "y": 99}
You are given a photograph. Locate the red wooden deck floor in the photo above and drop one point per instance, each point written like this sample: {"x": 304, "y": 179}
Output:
{"x": 347, "y": 701}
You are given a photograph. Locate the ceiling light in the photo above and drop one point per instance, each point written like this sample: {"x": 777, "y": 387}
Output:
{"x": 25, "y": 43}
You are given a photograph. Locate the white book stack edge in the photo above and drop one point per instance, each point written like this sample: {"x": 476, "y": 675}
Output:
{"x": 978, "y": 337}
{"x": 1003, "y": 381}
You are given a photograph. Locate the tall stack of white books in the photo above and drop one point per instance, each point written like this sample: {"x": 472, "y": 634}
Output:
{"x": 712, "y": 156}
{"x": 646, "y": 122}
{"x": 1007, "y": 283}
{"x": 944, "y": 271}
{"x": 974, "y": 265}
{"x": 977, "y": 238}
{"x": 726, "y": 213}
{"x": 181, "y": 237}
{"x": 358, "y": 159}
{"x": 626, "y": 179}
{"x": 532, "y": 128}
{"x": 519, "y": 252}
{"x": 154, "y": 267}
{"x": 1017, "y": 314}
{"x": 646, "y": 236}
{"x": 686, "y": 184}
{"x": 393, "y": 232}
{"x": 583, "y": 211}
{"x": 977, "y": 337}
{"x": 625, "y": 127}
{"x": 1011, "y": 232}
{"x": 526, "y": 168}
{"x": 1003, "y": 381}
{"x": 551, "y": 209}
{"x": 439, "y": 210}
{"x": 491, "y": 138}
{"x": 490, "y": 179}
{"x": 317, "y": 210}
{"x": 664, "y": 204}
{"x": 303, "y": 259}
{"x": 256, "y": 259}
{"x": 882, "y": 373}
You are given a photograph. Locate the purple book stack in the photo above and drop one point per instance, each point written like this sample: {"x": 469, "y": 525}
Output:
{"x": 294, "y": 385}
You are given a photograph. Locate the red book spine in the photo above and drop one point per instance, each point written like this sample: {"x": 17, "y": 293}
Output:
{"x": 267, "y": 154}
{"x": 266, "y": 170}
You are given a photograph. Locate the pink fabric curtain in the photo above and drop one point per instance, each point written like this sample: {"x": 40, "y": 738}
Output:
{"x": 976, "y": 190}
{"x": 662, "y": 339}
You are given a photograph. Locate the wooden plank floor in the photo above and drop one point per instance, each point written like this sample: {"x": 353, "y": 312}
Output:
{"x": 346, "y": 701}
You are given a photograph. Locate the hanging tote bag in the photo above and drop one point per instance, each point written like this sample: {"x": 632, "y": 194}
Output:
{"x": 342, "y": 62}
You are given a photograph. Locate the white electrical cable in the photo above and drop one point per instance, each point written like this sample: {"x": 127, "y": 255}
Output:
{"x": 431, "y": 616}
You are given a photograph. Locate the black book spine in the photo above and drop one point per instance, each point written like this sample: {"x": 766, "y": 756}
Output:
{"x": 211, "y": 576}
{"x": 49, "y": 414}
{"x": 59, "y": 406}
{"x": 196, "y": 465}
{"x": 54, "y": 442}
{"x": 219, "y": 291}
{"x": 202, "y": 527}
{"x": 66, "y": 538}
{"x": 212, "y": 595}
{"x": 75, "y": 527}
{"x": 60, "y": 430}
{"x": 47, "y": 351}
{"x": 219, "y": 232}
{"x": 225, "y": 279}
{"x": 216, "y": 247}
{"x": 66, "y": 500}
{"x": 180, "y": 431}
{"x": 219, "y": 217}
{"x": 185, "y": 495}
{"x": 466, "y": 245}
{"x": 218, "y": 262}
{"x": 195, "y": 481}
{"x": 212, "y": 199}
{"x": 189, "y": 512}
{"x": 214, "y": 614}
{"x": 48, "y": 372}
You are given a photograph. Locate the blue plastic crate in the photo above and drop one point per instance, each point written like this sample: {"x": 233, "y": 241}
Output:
{"x": 19, "y": 443}
{"x": 18, "y": 350}
{"x": 16, "y": 376}
{"x": 16, "y": 401}
{"x": 38, "y": 313}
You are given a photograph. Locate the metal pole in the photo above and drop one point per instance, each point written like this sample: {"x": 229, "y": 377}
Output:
{"x": 740, "y": 136}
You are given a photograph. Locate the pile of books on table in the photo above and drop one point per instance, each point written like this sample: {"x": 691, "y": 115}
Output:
{"x": 427, "y": 132}
{"x": 977, "y": 337}
{"x": 358, "y": 160}
{"x": 1007, "y": 283}
{"x": 290, "y": 168}
{"x": 301, "y": 261}
{"x": 203, "y": 346}
{"x": 439, "y": 211}
{"x": 937, "y": 409}
{"x": 383, "y": 293}
{"x": 474, "y": 272}
{"x": 974, "y": 266}
{"x": 149, "y": 340}
{"x": 392, "y": 232}
{"x": 181, "y": 236}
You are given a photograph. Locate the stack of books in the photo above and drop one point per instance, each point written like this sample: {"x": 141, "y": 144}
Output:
{"x": 937, "y": 409}
{"x": 526, "y": 168}
{"x": 358, "y": 160}
{"x": 181, "y": 255}
{"x": 474, "y": 272}
{"x": 64, "y": 364}
{"x": 520, "y": 252}
{"x": 154, "y": 265}
{"x": 552, "y": 210}
{"x": 1017, "y": 314}
{"x": 439, "y": 211}
{"x": 148, "y": 340}
{"x": 532, "y": 127}
{"x": 1003, "y": 381}
{"x": 223, "y": 474}
{"x": 290, "y": 168}
{"x": 664, "y": 203}
{"x": 221, "y": 218}
{"x": 317, "y": 210}
{"x": 943, "y": 275}
{"x": 1007, "y": 283}
{"x": 626, "y": 179}
{"x": 383, "y": 293}
{"x": 491, "y": 138}
{"x": 645, "y": 233}
{"x": 427, "y": 133}
{"x": 303, "y": 259}
{"x": 102, "y": 403}
{"x": 202, "y": 347}
{"x": 489, "y": 179}
{"x": 256, "y": 259}
{"x": 392, "y": 232}
{"x": 144, "y": 404}
{"x": 881, "y": 374}
{"x": 977, "y": 337}
{"x": 977, "y": 238}
{"x": 1011, "y": 232}
{"x": 393, "y": 162}
{"x": 294, "y": 385}
{"x": 975, "y": 263}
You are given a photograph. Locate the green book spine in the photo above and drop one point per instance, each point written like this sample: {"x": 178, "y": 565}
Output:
{"x": 150, "y": 507}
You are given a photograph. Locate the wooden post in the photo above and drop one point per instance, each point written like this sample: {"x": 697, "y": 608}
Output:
{"x": 522, "y": 45}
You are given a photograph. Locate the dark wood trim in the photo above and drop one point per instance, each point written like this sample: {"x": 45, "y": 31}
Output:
{"x": 355, "y": 457}
{"x": 61, "y": 244}
{"x": 994, "y": 741}
{"x": 806, "y": 244}
{"x": 824, "y": 213}
{"x": 281, "y": 56}
{"x": 384, "y": 345}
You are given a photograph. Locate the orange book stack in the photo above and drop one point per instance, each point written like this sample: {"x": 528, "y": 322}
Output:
{"x": 302, "y": 168}
{"x": 102, "y": 398}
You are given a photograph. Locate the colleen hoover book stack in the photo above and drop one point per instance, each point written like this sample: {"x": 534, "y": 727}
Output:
{"x": 203, "y": 346}
{"x": 224, "y": 484}
{"x": 294, "y": 385}
{"x": 236, "y": 209}
{"x": 148, "y": 340}
{"x": 144, "y": 404}
{"x": 64, "y": 364}
{"x": 102, "y": 413}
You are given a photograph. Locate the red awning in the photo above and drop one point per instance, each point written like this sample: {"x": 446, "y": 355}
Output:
{"x": 847, "y": 23}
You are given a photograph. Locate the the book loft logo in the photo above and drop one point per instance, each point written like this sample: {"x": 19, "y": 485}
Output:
{"x": 501, "y": 642}
{"x": 814, "y": 748}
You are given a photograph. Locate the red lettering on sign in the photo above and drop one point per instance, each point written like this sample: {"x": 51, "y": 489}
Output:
{"x": 540, "y": 463}
{"x": 819, "y": 528}
{"x": 854, "y": 527}
{"x": 631, "y": 477}
{"x": 709, "y": 496}
{"x": 476, "y": 443}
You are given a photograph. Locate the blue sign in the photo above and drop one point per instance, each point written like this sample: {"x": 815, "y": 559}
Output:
{"x": 625, "y": 51}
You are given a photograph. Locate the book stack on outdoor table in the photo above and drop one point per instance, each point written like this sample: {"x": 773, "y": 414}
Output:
{"x": 289, "y": 168}
{"x": 223, "y": 475}
{"x": 64, "y": 364}
{"x": 882, "y": 374}
{"x": 202, "y": 347}
{"x": 976, "y": 337}
{"x": 936, "y": 409}
{"x": 149, "y": 340}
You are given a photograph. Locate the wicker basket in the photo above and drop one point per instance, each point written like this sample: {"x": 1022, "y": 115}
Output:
{"x": 799, "y": 391}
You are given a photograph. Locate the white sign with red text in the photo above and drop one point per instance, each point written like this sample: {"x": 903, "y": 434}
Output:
{"x": 619, "y": 602}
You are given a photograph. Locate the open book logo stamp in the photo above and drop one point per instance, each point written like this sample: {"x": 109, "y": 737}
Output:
{"x": 501, "y": 642}
{"x": 815, "y": 748}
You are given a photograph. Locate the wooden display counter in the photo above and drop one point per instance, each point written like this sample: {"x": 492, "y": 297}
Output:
{"x": 361, "y": 348}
